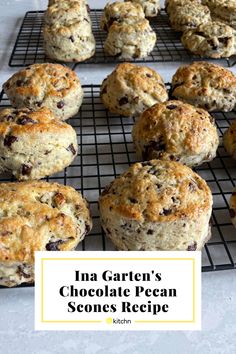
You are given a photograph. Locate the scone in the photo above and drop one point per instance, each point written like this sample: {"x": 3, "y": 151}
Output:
{"x": 171, "y": 5}
{"x": 211, "y": 40}
{"x": 130, "y": 89}
{"x": 176, "y": 131}
{"x": 150, "y": 7}
{"x": 120, "y": 11}
{"x": 224, "y": 10}
{"x": 53, "y": 86}
{"x": 64, "y": 12}
{"x": 157, "y": 205}
{"x": 35, "y": 144}
{"x": 37, "y": 216}
{"x": 189, "y": 16}
{"x": 74, "y": 42}
{"x": 205, "y": 85}
{"x": 229, "y": 140}
{"x": 130, "y": 40}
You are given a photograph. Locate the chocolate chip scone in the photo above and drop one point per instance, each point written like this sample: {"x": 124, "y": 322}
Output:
{"x": 224, "y": 10}
{"x": 128, "y": 39}
{"x": 35, "y": 144}
{"x": 53, "y": 86}
{"x": 205, "y": 85}
{"x": 37, "y": 216}
{"x": 150, "y": 7}
{"x": 120, "y": 11}
{"x": 189, "y": 16}
{"x": 171, "y": 5}
{"x": 157, "y": 205}
{"x": 176, "y": 131}
{"x": 72, "y": 42}
{"x": 229, "y": 140}
{"x": 130, "y": 89}
{"x": 211, "y": 40}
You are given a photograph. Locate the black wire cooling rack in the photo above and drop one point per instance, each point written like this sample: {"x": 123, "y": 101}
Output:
{"x": 28, "y": 48}
{"x": 106, "y": 150}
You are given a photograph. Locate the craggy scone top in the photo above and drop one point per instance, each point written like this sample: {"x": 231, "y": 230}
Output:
{"x": 39, "y": 216}
{"x": 158, "y": 191}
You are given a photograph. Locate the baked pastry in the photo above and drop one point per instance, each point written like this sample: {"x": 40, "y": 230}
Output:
{"x": 224, "y": 10}
{"x": 72, "y": 42}
{"x": 229, "y": 140}
{"x": 53, "y": 86}
{"x": 130, "y": 89}
{"x": 150, "y": 7}
{"x": 176, "y": 131}
{"x": 205, "y": 85}
{"x": 189, "y": 16}
{"x": 211, "y": 40}
{"x": 171, "y": 5}
{"x": 120, "y": 11}
{"x": 130, "y": 40}
{"x": 37, "y": 216}
{"x": 35, "y": 144}
{"x": 62, "y": 13}
{"x": 157, "y": 205}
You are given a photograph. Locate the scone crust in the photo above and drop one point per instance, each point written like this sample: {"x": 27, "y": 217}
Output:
{"x": 150, "y": 7}
{"x": 171, "y": 5}
{"x": 157, "y": 205}
{"x": 225, "y": 10}
{"x": 35, "y": 144}
{"x": 38, "y": 216}
{"x": 205, "y": 85}
{"x": 48, "y": 85}
{"x": 212, "y": 40}
{"x": 176, "y": 131}
{"x": 120, "y": 11}
{"x": 131, "y": 88}
{"x": 130, "y": 40}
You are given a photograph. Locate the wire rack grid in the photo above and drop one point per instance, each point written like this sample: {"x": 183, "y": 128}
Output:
{"x": 106, "y": 150}
{"x": 28, "y": 48}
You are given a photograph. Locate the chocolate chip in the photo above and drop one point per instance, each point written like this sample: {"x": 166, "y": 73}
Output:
{"x": 171, "y": 106}
{"x": 9, "y": 118}
{"x": 192, "y": 187}
{"x": 9, "y": 140}
{"x": 39, "y": 104}
{"x": 60, "y": 104}
{"x": 72, "y": 39}
{"x": 25, "y": 120}
{"x": 166, "y": 212}
{"x": 26, "y": 170}
{"x": 223, "y": 40}
{"x": 150, "y": 232}
{"x": 104, "y": 90}
{"x": 212, "y": 44}
{"x": 59, "y": 199}
{"x": 154, "y": 146}
{"x": 19, "y": 83}
{"x": 21, "y": 272}
{"x": 201, "y": 34}
{"x": 110, "y": 22}
{"x": 53, "y": 246}
{"x": 5, "y": 233}
{"x": 232, "y": 213}
{"x": 72, "y": 149}
{"x": 132, "y": 200}
{"x": 192, "y": 247}
{"x": 149, "y": 75}
{"x": 123, "y": 101}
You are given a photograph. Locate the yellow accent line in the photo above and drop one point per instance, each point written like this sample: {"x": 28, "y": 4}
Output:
{"x": 164, "y": 321}
{"x": 70, "y": 321}
{"x": 117, "y": 259}
{"x": 42, "y": 292}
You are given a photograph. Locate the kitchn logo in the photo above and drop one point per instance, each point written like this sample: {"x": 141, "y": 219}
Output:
{"x": 110, "y": 320}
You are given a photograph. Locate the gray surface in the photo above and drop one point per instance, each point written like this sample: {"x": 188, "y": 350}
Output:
{"x": 17, "y": 306}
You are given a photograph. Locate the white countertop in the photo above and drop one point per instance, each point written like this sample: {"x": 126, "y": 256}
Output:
{"x": 17, "y": 333}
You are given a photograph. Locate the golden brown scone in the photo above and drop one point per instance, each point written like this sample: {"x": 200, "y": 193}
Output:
{"x": 37, "y": 216}
{"x": 54, "y": 86}
{"x": 171, "y": 5}
{"x": 157, "y": 205}
{"x": 205, "y": 85}
{"x": 176, "y": 131}
{"x": 35, "y": 144}
{"x": 131, "y": 88}
{"x": 224, "y": 10}
{"x": 120, "y": 11}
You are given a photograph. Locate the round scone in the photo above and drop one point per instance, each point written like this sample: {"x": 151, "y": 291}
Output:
{"x": 54, "y": 86}
{"x": 130, "y": 89}
{"x": 189, "y": 16}
{"x": 128, "y": 40}
{"x": 119, "y": 11}
{"x": 176, "y": 131}
{"x": 157, "y": 205}
{"x": 150, "y": 7}
{"x": 64, "y": 12}
{"x": 229, "y": 140}
{"x": 73, "y": 42}
{"x": 205, "y": 85}
{"x": 224, "y": 10}
{"x": 211, "y": 40}
{"x": 35, "y": 144}
{"x": 171, "y": 5}
{"x": 37, "y": 216}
